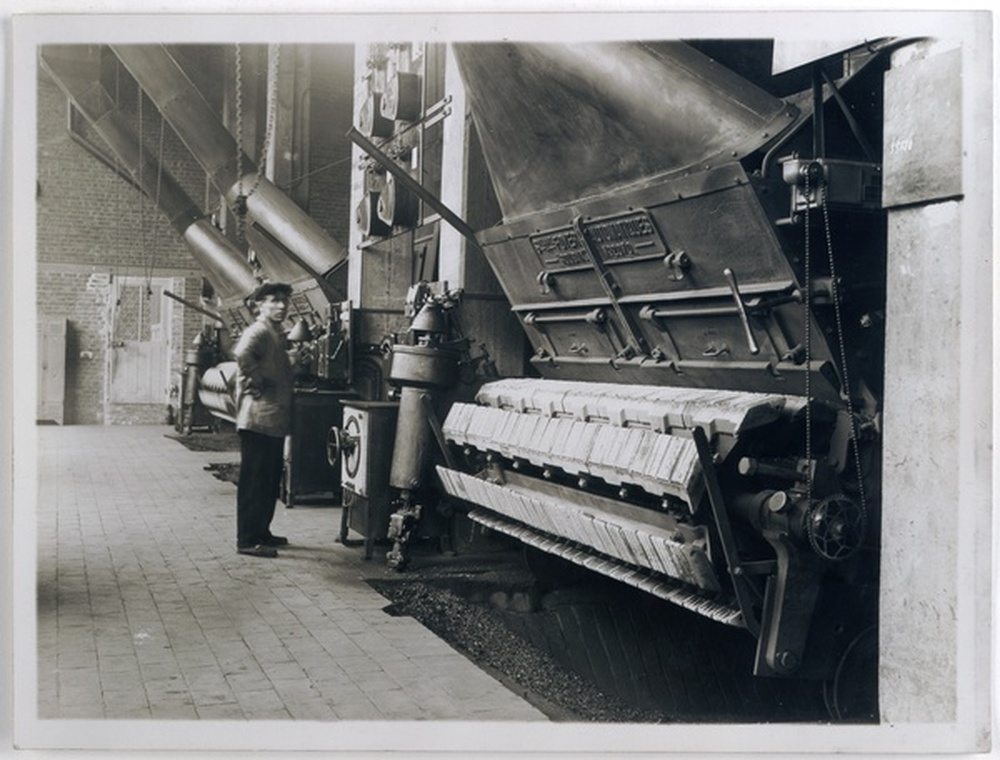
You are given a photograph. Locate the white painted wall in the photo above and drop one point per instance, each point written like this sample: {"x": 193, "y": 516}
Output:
{"x": 936, "y": 523}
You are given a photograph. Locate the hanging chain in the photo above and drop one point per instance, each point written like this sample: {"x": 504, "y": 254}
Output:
{"x": 119, "y": 174}
{"x": 838, "y": 318}
{"x": 142, "y": 197}
{"x": 271, "y": 116}
{"x": 156, "y": 218}
{"x": 118, "y": 219}
{"x": 240, "y": 207}
{"x": 808, "y": 346}
{"x": 855, "y": 445}
{"x": 159, "y": 162}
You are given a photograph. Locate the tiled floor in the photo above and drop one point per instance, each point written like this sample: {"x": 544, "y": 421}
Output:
{"x": 145, "y": 610}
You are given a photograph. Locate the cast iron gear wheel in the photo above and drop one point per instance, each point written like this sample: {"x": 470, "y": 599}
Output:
{"x": 836, "y": 527}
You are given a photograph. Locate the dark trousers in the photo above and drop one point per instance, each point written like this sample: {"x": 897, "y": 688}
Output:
{"x": 261, "y": 462}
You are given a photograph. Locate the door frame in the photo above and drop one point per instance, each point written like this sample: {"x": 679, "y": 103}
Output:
{"x": 167, "y": 312}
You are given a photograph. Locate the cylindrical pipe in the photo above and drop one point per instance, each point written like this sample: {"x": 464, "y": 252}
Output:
{"x": 293, "y": 228}
{"x": 224, "y": 264}
{"x": 200, "y": 129}
{"x": 772, "y": 511}
{"x": 75, "y": 69}
{"x": 217, "y": 390}
{"x": 411, "y": 453}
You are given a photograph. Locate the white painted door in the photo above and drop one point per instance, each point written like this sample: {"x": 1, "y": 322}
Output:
{"x": 140, "y": 345}
{"x": 52, "y": 370}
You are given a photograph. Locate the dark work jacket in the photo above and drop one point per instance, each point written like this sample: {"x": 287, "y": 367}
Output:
{"x": 265, "y": 381}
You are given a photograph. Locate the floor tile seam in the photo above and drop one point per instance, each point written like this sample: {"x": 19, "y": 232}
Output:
{"x": 261, "y": 665}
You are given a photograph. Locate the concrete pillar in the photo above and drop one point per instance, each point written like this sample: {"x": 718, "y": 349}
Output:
{"x": 288, "y": 152}
{"x": 454, "y": 161}
{"x": 486, "y": 315}
{"x": 356, "y": 255}
{"x": 935, "y": 573}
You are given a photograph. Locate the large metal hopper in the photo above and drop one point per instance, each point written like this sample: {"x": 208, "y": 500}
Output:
{"x": 563, "y": 122}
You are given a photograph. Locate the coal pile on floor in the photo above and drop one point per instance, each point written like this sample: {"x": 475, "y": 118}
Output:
{"x": 228, "y": 472}
{"x": 476, "y": 629}
{"x": 593, "y": 651}
{"x": 226, "y": 440}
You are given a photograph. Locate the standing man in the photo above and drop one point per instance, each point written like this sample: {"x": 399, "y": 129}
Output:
{"x": 264, "y": 410}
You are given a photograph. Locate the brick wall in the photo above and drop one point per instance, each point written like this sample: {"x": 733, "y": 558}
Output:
{"x": 83, "y": 300}
{"x": 331, "y": 115}
{"x": 92, "y": 229}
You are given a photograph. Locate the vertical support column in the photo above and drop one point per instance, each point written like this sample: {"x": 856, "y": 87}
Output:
{"x": 935, "y": 598}
{"x": 454, "y": 173}
{"x": 356, "y": 254}
{"x": 486, "y": 314}
{"x": 288, "y": 153}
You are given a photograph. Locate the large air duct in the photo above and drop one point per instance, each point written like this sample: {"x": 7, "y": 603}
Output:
{"x": 76, "y": 71}
{"x": 560, "y": 123}
{"x": 279, "y": 221}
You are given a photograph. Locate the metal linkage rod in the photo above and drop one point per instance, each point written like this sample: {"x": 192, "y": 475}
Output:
{"x": 412, "y": 185}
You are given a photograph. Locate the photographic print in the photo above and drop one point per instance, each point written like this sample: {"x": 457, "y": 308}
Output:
{"x": 513, "y": 382}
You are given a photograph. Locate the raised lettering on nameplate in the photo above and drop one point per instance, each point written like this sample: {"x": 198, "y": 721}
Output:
{"x": 614, "y": 239}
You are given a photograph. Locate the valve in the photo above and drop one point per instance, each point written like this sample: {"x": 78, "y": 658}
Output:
{"x": 342, "y": 443}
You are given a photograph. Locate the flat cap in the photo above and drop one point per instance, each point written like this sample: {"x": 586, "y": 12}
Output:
{"x": 272, "y": 289}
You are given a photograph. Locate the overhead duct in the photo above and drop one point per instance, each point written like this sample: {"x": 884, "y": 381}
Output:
{"x": 291, "y": 244}
{"x": 75, "y": 69}
{"x": 560, "y": 123}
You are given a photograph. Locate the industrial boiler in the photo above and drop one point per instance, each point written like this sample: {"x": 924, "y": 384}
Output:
{"x": 697, "y": 262}
{"x": 692, "y": 252}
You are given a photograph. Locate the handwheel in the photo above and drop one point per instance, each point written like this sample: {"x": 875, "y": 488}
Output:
{"x": 836, "y": 527}
{"x": 345, "y": 443}
{"x": 333, "y": 446}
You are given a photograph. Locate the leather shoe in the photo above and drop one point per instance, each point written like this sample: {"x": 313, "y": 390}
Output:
{"x": 259, "y": 550}
{"x": 273, "y": 540}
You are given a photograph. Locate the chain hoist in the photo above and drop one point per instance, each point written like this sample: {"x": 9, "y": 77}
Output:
{"x": 119, "y": 173}
{"x": 807, "y": 308}
{"x": 148, "y": 261}
{"x": 240, "y": 204}
{"x": 839, "y": 326}
{"x": 838, "y": 320}
{"x": 142, "y": 191}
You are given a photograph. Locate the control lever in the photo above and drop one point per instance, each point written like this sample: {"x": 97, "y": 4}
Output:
{"x": 741, "y": 309}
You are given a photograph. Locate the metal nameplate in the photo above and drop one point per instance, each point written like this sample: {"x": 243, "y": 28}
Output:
{"x": 613, "y": 239}
{"x": 560, "y": 249}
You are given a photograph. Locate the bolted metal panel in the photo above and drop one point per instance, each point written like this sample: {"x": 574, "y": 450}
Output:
{"x": 923, "y": 131}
